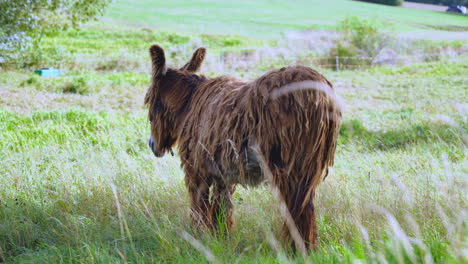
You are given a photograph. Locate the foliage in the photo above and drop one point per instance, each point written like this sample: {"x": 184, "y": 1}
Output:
{"x": 23, "y": 23}
{"x": 385, "y": 2}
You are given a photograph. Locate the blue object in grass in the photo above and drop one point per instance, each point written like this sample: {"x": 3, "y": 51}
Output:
{"x": 48, "y": 72}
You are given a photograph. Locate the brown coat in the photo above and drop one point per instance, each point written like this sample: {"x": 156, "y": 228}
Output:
{"x": 224, "y": 128}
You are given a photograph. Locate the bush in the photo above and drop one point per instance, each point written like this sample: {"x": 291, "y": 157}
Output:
{"x": 359, "y": 44}
{"x": 385, "y": 2}
{"x": 77, "y": 86}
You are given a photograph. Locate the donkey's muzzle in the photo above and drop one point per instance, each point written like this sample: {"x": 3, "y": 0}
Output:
{"x": 153, "y": 148}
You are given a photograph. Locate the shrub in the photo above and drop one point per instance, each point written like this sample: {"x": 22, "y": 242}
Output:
{"x": 385, "y": 2}
{"x": 359, "y": 43}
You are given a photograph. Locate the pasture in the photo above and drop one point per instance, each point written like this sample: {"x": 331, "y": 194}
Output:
{"x": 78, "y": 183}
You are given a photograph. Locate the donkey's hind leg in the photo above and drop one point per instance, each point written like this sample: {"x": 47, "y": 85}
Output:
{"x": 222, "y": 206}
{"x": 303, "y": 216}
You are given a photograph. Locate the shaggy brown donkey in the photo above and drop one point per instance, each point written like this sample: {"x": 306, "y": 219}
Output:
{"x": 289, "y": 116}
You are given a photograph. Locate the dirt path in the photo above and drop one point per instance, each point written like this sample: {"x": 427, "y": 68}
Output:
{"x": 425, "y": 6}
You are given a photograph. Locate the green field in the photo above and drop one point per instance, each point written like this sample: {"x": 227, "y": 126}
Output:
{"x": 269, "y": 17}
{"x": 78, "y": 183}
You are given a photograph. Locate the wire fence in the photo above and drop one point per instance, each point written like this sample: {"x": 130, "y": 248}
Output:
{"x": 351, "y": 62}
{"x": 340, "y": 62}
{"x": 229, "y": 62}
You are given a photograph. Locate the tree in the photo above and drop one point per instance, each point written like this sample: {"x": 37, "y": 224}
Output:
{"x": 24, "y": 22}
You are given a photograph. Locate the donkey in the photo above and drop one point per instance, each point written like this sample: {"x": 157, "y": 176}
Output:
{"x": 281, "y": 128}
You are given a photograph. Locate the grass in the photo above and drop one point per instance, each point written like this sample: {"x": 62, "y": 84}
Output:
{"x": 79, "y": 184}
{"x": 119, "y": 41}
{"x": 100, "y": 48}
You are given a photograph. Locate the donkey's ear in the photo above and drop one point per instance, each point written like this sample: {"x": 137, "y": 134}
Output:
{"x": 158, "y": 60}
{"x": 195, "y": 63}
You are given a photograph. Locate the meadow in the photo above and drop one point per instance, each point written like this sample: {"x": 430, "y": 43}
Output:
{"x": 78, "y": 183}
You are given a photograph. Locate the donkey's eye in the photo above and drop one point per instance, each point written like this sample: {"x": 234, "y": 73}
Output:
{"x": 157, "y": 107}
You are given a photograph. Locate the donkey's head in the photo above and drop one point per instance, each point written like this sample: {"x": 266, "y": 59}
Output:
{"x": 168, "y": 97}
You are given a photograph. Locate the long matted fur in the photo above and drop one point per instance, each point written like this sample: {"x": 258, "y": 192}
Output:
{"x": 289, "y": 115}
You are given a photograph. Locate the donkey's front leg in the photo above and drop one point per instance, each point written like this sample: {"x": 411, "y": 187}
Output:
{"x": 199, "y": 192}
{"x": 222, "y": 206}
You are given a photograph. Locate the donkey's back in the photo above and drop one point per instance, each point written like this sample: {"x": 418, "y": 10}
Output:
{"x": 290, "y": 114}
